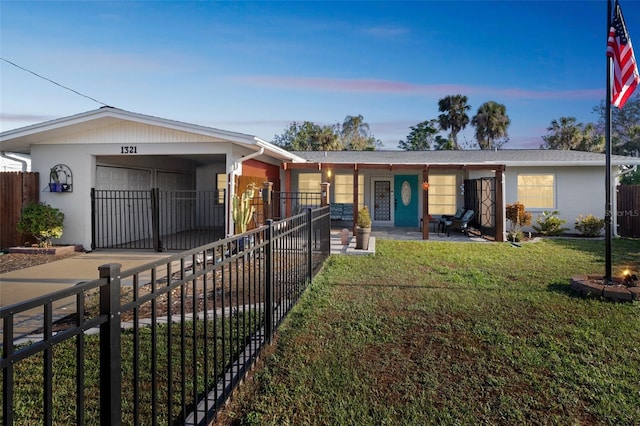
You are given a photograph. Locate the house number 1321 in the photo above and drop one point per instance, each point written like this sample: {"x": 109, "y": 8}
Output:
{"x": 128, "y": 150}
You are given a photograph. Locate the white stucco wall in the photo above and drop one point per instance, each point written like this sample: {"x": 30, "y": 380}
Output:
{"x": 579, "y": 190}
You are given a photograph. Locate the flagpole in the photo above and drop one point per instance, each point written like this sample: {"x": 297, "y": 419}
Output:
{"x": 607, "y": 132}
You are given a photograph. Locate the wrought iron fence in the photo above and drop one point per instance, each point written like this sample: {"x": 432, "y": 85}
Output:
{"x": 291, "y": 203}
{"x": 155, "y": 219}
{"x": 164, "y": 343}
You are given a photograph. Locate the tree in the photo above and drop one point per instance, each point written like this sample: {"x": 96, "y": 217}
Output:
{"x": 308, "y": 136}
{"x": 355, "y": 134}
{"x": 421, "y": 137}
{"x": 42, "y": 221}
{"x": 327, "y": 140}
{"x": 491, "y": 123}
{"x": 592, "y": 140}
{"x": 443, "y": 144}
{"x": 454, "y": 115}
{"x": 625, "y": 125}
{"x": 567, "y": 133}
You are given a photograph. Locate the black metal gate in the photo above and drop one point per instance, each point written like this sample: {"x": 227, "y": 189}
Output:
{"x": 155, "y": 219}
{"x": 480, "y": 196}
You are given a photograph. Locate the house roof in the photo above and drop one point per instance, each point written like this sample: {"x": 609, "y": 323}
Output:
{"x": 20, "y": 140}
{"x": 507, "y": 157}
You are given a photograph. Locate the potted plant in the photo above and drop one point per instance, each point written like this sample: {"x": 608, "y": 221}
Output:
{"x": 363, "y": 229}
{"x": 42, "y": 221}
{"x": 54, "y": 180}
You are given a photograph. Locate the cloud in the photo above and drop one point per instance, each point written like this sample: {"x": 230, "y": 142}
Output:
{"x": 386, "y": 32}
{"x": 411, "y": 89}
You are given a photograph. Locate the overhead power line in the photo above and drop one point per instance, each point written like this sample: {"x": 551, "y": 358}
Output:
{"x": 54, "y": 82}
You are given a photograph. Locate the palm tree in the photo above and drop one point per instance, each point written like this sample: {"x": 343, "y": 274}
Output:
{"x": 454, "y": 115}
{"x": 491, "y": 123}
{"x": 327, "y": 140}
{"x": 355, "y": 134}
{"x": 564, "y": 134}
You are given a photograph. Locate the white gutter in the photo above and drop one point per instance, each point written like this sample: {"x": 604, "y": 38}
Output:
{"x": 236, "y": 165}
{"x": 19, "y": 160}
{"x": 232, "y": 185}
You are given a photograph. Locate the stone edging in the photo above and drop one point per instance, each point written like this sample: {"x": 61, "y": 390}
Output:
{"x": 584, "y": 285}
{"x": 54, "y": 250}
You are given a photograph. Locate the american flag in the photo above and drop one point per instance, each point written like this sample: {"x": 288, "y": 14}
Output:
{"x": 625, "y": 72}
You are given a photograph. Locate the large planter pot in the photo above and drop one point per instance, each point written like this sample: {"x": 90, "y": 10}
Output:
{"x": 362, "y": 238}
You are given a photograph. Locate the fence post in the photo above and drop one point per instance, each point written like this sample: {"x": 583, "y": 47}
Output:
{"x": 267, "y": 207}
{"x": 309, "y": 243}
{"x": 110, "y": 347}
{"x": 155, "y": 219}
{"x": 268, "y": 283}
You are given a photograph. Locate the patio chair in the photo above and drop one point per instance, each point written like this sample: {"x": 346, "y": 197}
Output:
{"x": 442, "y": 224}
{"x": 461, "y": 224}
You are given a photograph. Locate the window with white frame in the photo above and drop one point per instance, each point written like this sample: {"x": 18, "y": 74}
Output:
{"x": 343, "y": 189}
{"x": 537, "y": 191}
{"x": 442, "y": 194}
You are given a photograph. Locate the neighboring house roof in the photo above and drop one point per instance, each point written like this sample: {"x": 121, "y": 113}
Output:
{"x": 19, "y": 140}
{"x": 507, "y": 157}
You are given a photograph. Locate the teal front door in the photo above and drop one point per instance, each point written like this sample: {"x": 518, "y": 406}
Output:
{"x": 406, "y": 195}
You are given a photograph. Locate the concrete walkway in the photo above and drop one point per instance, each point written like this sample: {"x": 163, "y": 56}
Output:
{"x": 390, "y": 233}
{"x": 25, "y": 284}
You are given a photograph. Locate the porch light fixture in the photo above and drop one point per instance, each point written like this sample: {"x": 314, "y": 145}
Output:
{"x": 425, "y": 186}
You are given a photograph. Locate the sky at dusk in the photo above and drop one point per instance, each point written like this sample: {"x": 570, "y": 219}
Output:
{"x": 255, "y": 67}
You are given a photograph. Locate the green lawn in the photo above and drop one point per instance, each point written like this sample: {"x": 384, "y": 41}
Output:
{"x": 454, "y": 333}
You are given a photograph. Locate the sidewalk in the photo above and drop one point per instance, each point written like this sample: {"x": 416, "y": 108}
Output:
{"x": 40, "y": 280}
{"x": 25, "y": 284}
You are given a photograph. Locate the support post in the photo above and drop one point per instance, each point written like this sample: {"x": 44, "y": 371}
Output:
{"x": 110, "y": 347}
{"x": 499, "y": 205}
{"x": 356, "y": 201}
{"x": 324, "y": 193}
{"x": 425, "y": 206}
{"x": 267, "y": 200}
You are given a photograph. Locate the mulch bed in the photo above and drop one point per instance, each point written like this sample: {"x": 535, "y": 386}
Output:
{"x": 17, "y": 261}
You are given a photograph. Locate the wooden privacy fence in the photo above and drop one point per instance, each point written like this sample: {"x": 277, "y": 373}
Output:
{"x": 17, "y": 189}
{"x": 629, "y": 211}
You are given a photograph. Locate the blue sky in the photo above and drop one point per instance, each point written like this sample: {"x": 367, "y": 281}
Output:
{"x": 254, "y": 67}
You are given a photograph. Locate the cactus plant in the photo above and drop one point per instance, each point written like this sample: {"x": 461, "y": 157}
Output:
{"x": 241, "y": 208}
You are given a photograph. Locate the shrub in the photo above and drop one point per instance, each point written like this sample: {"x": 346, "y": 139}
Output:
{"x": 364, "y": 218}
{"x": 42, "y": 221}
{"x": 548, "y": 223}
{"x": 589, "y": 225}
{"x": 515, "y": 236}
{"x": 518, "y": 216}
